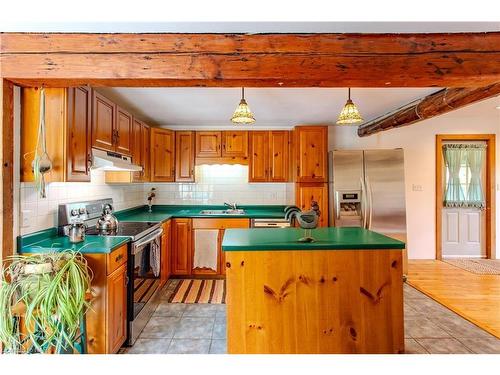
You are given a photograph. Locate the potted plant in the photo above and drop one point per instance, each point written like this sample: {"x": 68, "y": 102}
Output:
{"x": 43, "y": 299}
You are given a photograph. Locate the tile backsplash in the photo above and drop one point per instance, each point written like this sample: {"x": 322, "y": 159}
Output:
{"x": 214, "y": 184}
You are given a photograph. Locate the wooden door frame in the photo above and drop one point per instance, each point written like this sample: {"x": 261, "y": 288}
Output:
{"x": 490, "y": 140}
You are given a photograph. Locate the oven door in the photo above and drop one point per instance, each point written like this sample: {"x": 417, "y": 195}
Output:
{"x": 144, "y": 275}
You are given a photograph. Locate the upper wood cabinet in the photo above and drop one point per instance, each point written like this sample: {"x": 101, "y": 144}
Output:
{"x": 123, "y": 132}
{"x": 146, "y": 153}
{"x": 268, "y": 160}
{"x": 311, "y": 149}
{"x": 181, "y": 247}
{"x": 208, "y": 144}
{"x": 137, "y": 151}
{"x": 103, "y": 122}
{"x": 162, "y": 155}
{"x": 184, "y": 156}
{"x": 67, "y": 125}
{"x": 235, "y": 144}
{"x": 305, "y": 193}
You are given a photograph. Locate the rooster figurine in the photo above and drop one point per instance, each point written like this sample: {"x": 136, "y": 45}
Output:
{"x": 308, "y": 220}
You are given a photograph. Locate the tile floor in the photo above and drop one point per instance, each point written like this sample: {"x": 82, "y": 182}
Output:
{"x": 201, "y": 328}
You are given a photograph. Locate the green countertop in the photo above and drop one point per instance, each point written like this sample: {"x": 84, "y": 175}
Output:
{"x": 48, "y": 240}
{"x": 329, "y": 238}
{"x": 163, "y": 213}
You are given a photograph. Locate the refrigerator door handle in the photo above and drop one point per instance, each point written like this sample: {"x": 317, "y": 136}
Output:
{"x": 370, "y": 203}
{"x": 364, "y": 198}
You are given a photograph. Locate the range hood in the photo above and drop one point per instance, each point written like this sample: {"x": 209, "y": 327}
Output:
{"x": 112, "y": 161}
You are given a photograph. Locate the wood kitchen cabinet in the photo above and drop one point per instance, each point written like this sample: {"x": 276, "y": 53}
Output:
{"x": 311, "y": 149}
{"x": 117, "y": 308}
{"x": 137, "y": 148}
{"x": 162, "y": 155}
{"x": 166, "y": 252}
{"x": 184, "y": 156}
{"x": 124, "y": 137}
{"x": 234, "y": 144}
{"x": 208, "y": 144}
{"x": 221, "y": 147}
{"x": 103, "y": 122}
{"x": 146, "y": 153}
{"x": 269, "y": 161}
{"x": 305, "y": 193}
{"x": 68, "y": 130}
{"x": 181, "y": 260}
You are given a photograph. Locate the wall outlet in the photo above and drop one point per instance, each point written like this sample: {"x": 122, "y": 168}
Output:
{"x": 26, "y": 218}
{"x": 415, "y": 187}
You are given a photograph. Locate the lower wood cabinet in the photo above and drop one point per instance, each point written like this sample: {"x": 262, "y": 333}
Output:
{"x": 166, "y": 252}
{"x": 107, "y": 318}
{"x": 181, "y": 261}
{"x": 305, "y": 193}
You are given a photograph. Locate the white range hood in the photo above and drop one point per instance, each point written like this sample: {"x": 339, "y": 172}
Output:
{"x": 112, "y": 161}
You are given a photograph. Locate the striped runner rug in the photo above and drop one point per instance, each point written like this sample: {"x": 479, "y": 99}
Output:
{"x": 477, "y": 266}
{"x": 199, "y": 291}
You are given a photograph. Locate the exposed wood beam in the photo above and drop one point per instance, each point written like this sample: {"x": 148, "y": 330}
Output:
{"x": 435, "y": 104}
{"x": 262, "y": 60}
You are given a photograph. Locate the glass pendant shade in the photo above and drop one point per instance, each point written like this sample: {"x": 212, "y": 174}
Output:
{"x": 350, "y": 113}
{"x": 243, "y": 114}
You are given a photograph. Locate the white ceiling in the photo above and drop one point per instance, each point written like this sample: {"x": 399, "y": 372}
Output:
{"x": 272, "y": 107}
{"x": 249, "y": 27}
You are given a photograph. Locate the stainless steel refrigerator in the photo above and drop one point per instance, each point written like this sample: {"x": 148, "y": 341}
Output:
{"x": 367, "y": 189}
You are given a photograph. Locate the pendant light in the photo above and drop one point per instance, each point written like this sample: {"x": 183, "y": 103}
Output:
{"x": 350, "y": 113}
{"x": 243, "y": 114}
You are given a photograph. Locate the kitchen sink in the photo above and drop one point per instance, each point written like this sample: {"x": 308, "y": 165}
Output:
{"x": 223, "y": 212}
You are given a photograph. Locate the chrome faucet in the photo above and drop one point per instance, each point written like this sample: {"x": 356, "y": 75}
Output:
{"x": 151, "y": 195}
{"x": 232, "y": 206}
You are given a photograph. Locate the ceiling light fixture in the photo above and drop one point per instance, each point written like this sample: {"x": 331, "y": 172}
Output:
{"x": 350, "y": 113}
{"x": 243, "y": 114}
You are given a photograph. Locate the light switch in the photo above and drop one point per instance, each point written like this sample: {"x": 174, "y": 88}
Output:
{"x": 26, "y": 217}
{"x": 415, "y": 187}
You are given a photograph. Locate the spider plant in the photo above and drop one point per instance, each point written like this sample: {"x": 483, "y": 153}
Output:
{"x": 50, "y": 291}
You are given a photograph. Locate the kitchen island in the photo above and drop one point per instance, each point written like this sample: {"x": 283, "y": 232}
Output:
{"x": 342, "y": 293}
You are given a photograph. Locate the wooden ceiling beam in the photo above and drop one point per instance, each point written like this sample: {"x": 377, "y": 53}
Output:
{"x": 262, "y": 60}
{"x": 435, "y": 104}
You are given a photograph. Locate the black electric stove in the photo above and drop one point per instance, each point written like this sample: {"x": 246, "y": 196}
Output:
{"x": 134, "y": 229}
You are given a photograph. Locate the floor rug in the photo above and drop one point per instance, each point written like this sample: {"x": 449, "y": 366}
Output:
{"x": 477, "y": 266}
{"x": 199, "y": 291}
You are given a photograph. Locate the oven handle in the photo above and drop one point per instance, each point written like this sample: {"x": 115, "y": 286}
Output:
{"x": 148, "y": 239}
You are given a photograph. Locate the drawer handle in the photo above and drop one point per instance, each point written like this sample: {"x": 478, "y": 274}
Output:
{"x": 118, "y": 258}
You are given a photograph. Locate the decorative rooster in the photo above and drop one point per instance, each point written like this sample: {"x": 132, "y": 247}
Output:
{"x": 308, "y": 220}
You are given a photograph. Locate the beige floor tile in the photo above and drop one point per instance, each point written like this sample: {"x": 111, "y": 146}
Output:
{"x": 413, "y": 347}
{"x": 443, "y": 346}
{"x": 482, "y": 345}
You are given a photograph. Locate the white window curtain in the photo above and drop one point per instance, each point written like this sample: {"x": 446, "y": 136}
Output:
{"x": 470, "y": 156}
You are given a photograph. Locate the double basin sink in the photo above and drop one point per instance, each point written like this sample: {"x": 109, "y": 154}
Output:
{"x": 238, "y": 211}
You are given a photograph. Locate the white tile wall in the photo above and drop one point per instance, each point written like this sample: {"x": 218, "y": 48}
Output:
{"x": 215, "y": 184}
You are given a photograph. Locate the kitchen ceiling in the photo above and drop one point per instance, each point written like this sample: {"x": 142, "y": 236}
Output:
{"x": 273, "y": 107}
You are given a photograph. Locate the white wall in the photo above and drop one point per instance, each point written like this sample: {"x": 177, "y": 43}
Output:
{"x": 418, "y": 142}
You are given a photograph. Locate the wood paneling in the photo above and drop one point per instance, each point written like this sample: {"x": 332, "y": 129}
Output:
{"x": 305, "y": 193}
{"x": 348, "y": 301}
{"x": 259, "y": 156}
{"x": 117, "y": 308}
{"x": 123, "y": 129}
{"x": 234, "y": 144}
{"x": 79, "y": 129}
{"x": 279, "y": 155}
{"x": 166, "y": 252}
{"x": 162, "y": 155}
{"x": 208, "y": 144}
{"x": 474, "y": 297}
{"x": 7, "y": 190}
{"x": 490, "y": 189}
{"x": 335, "y": 60}
{"x": 184, "y": 156}
{"x": 311, "y": 149}
{"x": 103, "y": 122}
{"x": 435, "y": 104}
{"x": 182, "y": 261}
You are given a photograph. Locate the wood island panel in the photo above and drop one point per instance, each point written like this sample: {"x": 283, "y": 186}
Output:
{"x": 303, "y": 301}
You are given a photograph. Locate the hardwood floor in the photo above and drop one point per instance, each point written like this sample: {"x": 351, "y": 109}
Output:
{"x": 474, "y": 297}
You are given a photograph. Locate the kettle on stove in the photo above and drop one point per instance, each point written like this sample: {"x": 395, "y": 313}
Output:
{"x": 107, "y": 221}
{"x": 76, "y": 231}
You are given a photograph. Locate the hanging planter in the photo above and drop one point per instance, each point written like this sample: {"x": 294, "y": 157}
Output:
{"x": 48, "y": 291}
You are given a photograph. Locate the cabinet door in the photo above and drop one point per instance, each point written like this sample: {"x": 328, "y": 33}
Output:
{"x": 181, "y": 247}
{"x": 78, "y": 157}
{"x": 208, "y": 144}
{"x": 184, "y": 156}
{"x": 165, "y": 258}
{"x": 278, "y": 156}
{"x": 117, "y": 308}
{"x": 311, "y": 153}
{"x": 146, "y": 153}
{"x": 306, "y": 193}
{"x": 103, "y": 119}
{"x": 137, "y": 147}
{"x": 162, "y": 156}
{"x": 123, "y": 132}
{"x": 235, "y": 144}
{"x": 258, "y": 150}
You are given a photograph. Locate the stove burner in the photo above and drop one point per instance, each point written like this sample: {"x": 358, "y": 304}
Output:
{"x": 125, "y": 229}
